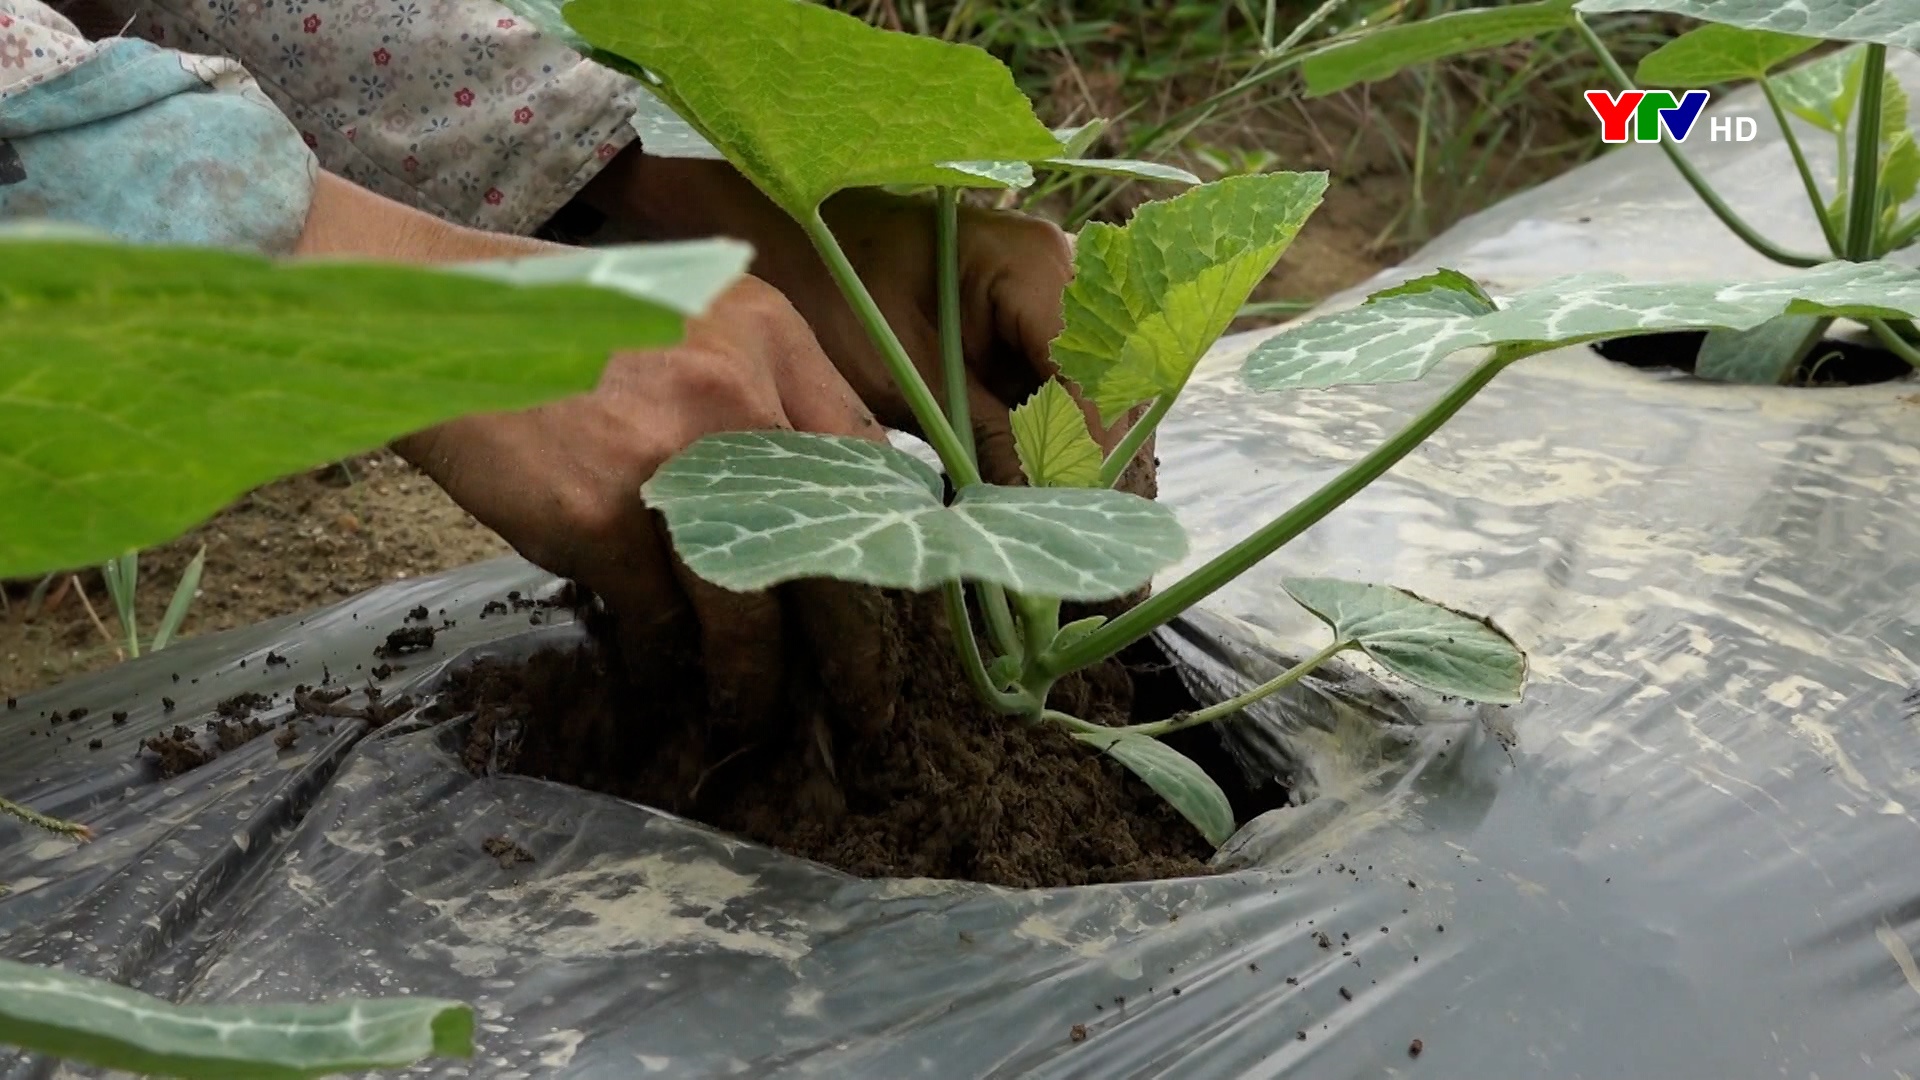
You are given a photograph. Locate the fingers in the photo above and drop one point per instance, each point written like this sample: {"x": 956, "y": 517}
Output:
{"x": 993, "y": 436}
{"x": 849, "y": 627}
{"x": 815, "y": 397}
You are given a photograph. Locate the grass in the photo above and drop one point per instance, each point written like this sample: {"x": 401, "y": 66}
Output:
{"x": 1211, "y": 85}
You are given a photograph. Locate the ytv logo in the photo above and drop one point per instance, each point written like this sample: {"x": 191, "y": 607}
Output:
{"x": 1638, "y": 115}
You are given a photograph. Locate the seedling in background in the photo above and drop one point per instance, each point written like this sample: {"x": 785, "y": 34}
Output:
{"x": 1846, "y": 94}
{"x": 122, "y": 576}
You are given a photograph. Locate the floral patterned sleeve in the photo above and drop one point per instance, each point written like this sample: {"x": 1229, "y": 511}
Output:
{"x": 151, "y": 145}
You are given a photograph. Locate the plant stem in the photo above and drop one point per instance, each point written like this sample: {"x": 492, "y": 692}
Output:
{"x": 1116, "y": 463}
{"x": 1863, "y": 202}
{"x": 968, "y": 649}
{"x": 41, "y": 821}
{"x": 1234, "y": 704}
{"x": 953, "y": 357}
{"x": 926, "y": 410}
{"x": 1694, "y": 180}
{"x": 1895, "y": 344}
{"x": 1827, "y": 229}
{"x": 1238, "y": 559}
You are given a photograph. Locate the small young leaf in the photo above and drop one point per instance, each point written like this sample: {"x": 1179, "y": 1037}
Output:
{"x": 1393, "y": 49}
{"x": 1422, "y": 642}
{"x": 1013, "y": 175}
{"x": 1712, "y": 54}
{"x": 1174, "y": 777}
{"x": 1076, "y": 630}
{"x": 1445, "y": 292}
{"x": 751, "y": 510}
{"x": 1076, "y": 141}
{"x": 148, "y": 387}
{"x": 1402, "y": 337}
{"x": 1766, "y": 355}
{"x": 1149, "y": 299}
{"x": 1889, "y": 22}
{"x": 807, "y": 101}
{"x": 1050, "y": 435}
{"x": 110, "y": 1026}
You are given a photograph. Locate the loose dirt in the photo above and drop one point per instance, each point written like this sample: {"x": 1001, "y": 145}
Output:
{"x": 941, "y": 788}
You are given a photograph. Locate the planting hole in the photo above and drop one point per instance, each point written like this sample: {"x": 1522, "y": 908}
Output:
{"x": 1832, "y": 363}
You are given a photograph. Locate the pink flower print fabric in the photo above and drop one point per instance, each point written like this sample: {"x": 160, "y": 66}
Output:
{"x": 457, "y": 107}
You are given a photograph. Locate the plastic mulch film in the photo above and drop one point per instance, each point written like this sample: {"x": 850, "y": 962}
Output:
{"x": 1693, "y": 851}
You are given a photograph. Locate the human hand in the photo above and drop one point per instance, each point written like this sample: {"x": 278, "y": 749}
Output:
{"x": 561, "y": 483}
{"x": 1013, "y": 270}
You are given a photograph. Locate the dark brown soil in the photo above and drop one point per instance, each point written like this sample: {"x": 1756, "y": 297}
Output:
{"x": 942, "y": 789}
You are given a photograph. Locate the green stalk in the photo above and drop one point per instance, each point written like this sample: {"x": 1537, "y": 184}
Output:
{"x": 1224, "y": 709}
{"x": 41, "y": 821}
{"x": 1694, "y": 180}
{"x": 1903, "y": 234}
{"x": 1238, "y": 559}
{"x": 1834, "y": 242}
{"x": 1895, "y": 344}
{"x": 926, "y": 410}
{"x": 1863, "y": 202}
{"x": 953, "y": 357}
{"x": 1116, "y": 463}
{"x": 968, "y": 648}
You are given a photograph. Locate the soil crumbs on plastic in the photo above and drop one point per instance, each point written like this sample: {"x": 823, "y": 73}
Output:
{"x": 944, "y": 789}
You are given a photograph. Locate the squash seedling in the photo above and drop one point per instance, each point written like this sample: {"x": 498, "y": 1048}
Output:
{"x": 1846, "y": 94}
{"x": 807, "y": 102}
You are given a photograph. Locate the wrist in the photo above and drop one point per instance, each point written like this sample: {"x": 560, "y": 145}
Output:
{"x": 346, "y": 220}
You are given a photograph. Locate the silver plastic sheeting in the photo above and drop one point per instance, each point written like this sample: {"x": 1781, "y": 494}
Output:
{"x": 1691, "y": 853}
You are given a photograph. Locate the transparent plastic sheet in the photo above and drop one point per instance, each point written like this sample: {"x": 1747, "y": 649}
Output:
{"x": 1690, "y": 853}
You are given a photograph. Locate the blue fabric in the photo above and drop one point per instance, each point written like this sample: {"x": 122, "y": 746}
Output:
{"x": 134, "y": 143}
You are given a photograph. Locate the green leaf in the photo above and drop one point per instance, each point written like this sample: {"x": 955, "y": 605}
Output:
{"x": 1443, "y": 292}
{"x": 141, "y": 389}
{"x": 1393, "y": 49}
{"x": 1711, "y": 54}
{"x": 1174, "y": 777}
{"x": 1149, "y": 299}
{"x": 1766, "y": 355}
{"x": 1899, "y": 172}
{"x": 182, "y": 601}
{"x": 751, "y": 510}
{"x": 1125, "y": 168}
{"x": 1012, "y": 175}
{"x": 1427, "y": 644}
{"x": 1076, "y": 141}
{"x": 807, "y": 101}
{"x": 1889, "y": 22}
{"x": 1402, "y": 337}
{"x": 1050, "y": 435}
{"x": 1819, "y": 92}
{"x": 681, "y": 277}
{"x": 110, "y": 1026}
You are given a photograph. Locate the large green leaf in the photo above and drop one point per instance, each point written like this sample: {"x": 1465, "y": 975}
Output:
{"x": 1766, "y": 355}
{"x": 1174, "y": 777}
{"x": 100, "y": 1023}
{"x": 1712, "y": 54}
{"x": 1397, "y": 338}
{"x": 141, "y": 389}
{"x": 1823, "y": 91}
{"x": 1050, "y": 435}
{"x": 1124, "y": 168}
{"x": 754, "y": 509}
{"x": 1889, "y": 22}
{"x": 1422, "y": 642}
{"x": 1391, "y": 50}
{"x": 1148, "y": 299}
{"x": 807, "y": 101}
